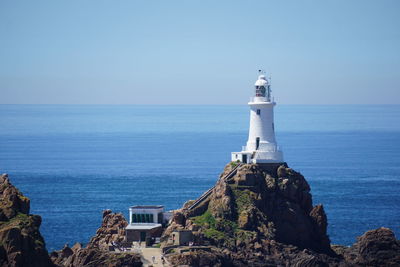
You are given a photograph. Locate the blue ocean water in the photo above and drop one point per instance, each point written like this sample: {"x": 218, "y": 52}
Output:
{"x": 73, "y": 161}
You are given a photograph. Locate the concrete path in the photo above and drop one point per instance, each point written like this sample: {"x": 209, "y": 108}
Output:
{"x": 148, "y": 253}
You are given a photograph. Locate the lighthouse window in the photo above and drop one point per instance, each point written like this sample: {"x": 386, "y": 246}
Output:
{"x": 257, "y": 142}
{"x": 260, "y": 91}
{"x": 258, "y": 112}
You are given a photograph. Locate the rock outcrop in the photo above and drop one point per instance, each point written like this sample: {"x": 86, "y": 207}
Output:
{"x": 200, "y": 258}
{"x": 21, "y": 243}
{"x": 262, "y": 203}
{"x": 96, "y": 253}
{"x": 264, "y": 216}
{"x": 111, "y": 230}
{"x": 93, "y": 257}
{"x": 377, "y": 247}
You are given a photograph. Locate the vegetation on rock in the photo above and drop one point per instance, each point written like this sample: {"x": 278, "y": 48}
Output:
{"x": 21, "y": 243}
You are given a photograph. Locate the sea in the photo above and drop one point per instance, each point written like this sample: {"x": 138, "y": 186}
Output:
{"x": 74, "y": 161}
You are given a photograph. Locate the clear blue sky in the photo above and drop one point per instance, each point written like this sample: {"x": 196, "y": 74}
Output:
{"x": 198, "y": 52}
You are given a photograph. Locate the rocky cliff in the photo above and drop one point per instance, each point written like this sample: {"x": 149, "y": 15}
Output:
{"x": 112, "y": 229}
{"x": 262, "y": 216}
{"x": 97, "y": 253}
{"x": 377, "y": 247}
{"x": 21, "y": 243}
{"x": 78, "y": 256}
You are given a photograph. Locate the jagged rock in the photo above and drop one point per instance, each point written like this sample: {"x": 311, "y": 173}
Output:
{"x": 12, "y": 200}
{"x": 112, "y": 230}
{"x": 96, "y": 253}
{"x": 270, "y": 203}
{"x": 93, "y": 257}
{"x": 220, "y": 200}
{"x": 264, "y": 216}
{"x": 272, "y": 253}
{"x": 106, "y": 212}
{"x": 377, "y": 247}
{"x": 21, "y": 243}
{"x": 260, "y": 210}
{"x": 66, "y": 251}
{"x": 281, "y": 172}
{"x": 200, "y": 259}
{"x": 178, "y": 218}
{"x": 76, "y": 247}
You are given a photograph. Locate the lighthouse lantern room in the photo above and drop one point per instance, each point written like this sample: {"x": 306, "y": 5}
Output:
{"x": 261, "y": 147}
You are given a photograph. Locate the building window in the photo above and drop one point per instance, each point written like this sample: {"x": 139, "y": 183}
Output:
{"x": 142, "y": 218}
{"x": 258, "y": 112}
{"x": 257, "y": 142}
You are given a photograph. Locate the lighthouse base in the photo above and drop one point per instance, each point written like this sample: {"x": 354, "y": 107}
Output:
{"x": 258, "y": 156}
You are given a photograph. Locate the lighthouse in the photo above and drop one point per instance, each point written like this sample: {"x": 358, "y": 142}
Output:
{"x": 261, "y": 147}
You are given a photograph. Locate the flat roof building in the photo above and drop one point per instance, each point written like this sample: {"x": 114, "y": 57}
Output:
{"x": 145, "y": 222}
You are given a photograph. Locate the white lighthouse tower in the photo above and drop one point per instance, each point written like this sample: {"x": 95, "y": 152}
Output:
{"x": 261, "y": 146}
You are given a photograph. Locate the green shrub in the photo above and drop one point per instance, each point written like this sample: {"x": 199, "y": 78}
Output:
{"x": 234, "y": 163}
{"x": 214, "y": 234}
{"x": 242, "y": 199}
{"x": 206, "y": 219}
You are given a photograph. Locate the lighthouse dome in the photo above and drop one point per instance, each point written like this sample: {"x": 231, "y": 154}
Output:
{"x": 262, "y": 81}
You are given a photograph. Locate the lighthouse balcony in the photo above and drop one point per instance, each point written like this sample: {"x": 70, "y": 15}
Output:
{"x": 262, "y": 146}
{"x": 259, "y": 99}
{"x": 258, "y": 156}
{"x": 266, "y": 153}
{"x": 268, "y": 157}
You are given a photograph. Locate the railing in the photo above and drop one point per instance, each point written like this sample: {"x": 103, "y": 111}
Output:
{"x": 267, "y": 155}
{"x": 259, "y": 99}
{"x": 265, "y": 147}
{"x": 208, "y": 192}
{"x": 268, "y": 147}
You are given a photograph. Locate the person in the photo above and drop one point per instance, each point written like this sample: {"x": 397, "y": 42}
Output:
{"x": 153, "y": 258}
{"x": 162, "y": 260}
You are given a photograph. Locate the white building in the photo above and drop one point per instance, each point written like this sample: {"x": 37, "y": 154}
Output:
{"x": 261, "y": 146}
{"x": 146, "y": 222}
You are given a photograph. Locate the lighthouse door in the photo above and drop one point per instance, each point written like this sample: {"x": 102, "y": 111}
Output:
{"x": 257, "y": 142}
{"x": 244, "y": 158}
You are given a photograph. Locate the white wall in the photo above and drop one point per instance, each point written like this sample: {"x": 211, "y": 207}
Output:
{"x": 261, "y": 125}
